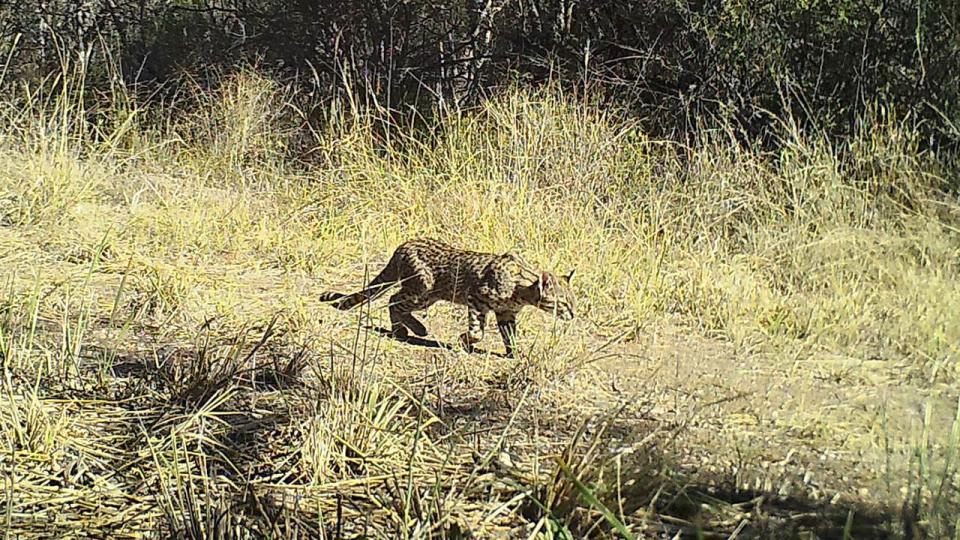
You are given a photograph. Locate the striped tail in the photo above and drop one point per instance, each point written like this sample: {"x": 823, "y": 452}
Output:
{"x": 384, "y": 280}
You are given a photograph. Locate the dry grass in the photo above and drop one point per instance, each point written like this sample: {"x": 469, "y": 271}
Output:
{"x": 167, "y": 371}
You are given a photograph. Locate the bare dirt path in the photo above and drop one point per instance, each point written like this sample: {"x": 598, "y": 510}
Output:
{"x": 825, "y": 426}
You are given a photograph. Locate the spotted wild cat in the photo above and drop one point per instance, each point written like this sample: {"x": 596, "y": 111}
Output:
{"x": 428, "y": 270}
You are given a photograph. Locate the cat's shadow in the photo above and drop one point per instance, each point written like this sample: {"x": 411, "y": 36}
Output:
{"x": 430, "y": 343}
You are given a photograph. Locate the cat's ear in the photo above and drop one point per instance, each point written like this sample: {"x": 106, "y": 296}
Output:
{"x": 545, "y": 283}
{"x": 569, "y": 277}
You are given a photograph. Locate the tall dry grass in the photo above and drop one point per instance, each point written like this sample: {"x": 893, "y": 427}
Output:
{"x": 132, "y": 226}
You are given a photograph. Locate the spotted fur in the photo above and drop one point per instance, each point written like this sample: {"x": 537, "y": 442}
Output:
{"x": 428, "y": 271}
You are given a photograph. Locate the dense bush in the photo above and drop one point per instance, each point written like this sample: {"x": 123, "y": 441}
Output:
{"x": 679, "y": 63}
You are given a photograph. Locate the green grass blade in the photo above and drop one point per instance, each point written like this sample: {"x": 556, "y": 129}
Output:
{"x": 588, "y": 496}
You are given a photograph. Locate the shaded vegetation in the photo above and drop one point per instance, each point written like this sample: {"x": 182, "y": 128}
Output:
{"x": 679, "y": 65}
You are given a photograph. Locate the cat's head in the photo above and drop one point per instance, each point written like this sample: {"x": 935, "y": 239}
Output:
{"x": 556, "y": 296}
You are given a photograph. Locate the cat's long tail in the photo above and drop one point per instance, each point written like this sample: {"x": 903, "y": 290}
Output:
{"x": 387, "y": 278}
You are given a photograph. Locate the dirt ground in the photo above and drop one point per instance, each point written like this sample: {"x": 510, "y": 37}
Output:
{"x": 819, "y": 428}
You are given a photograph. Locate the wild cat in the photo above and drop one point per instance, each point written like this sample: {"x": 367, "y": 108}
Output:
{"x": 429, "y": 270}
